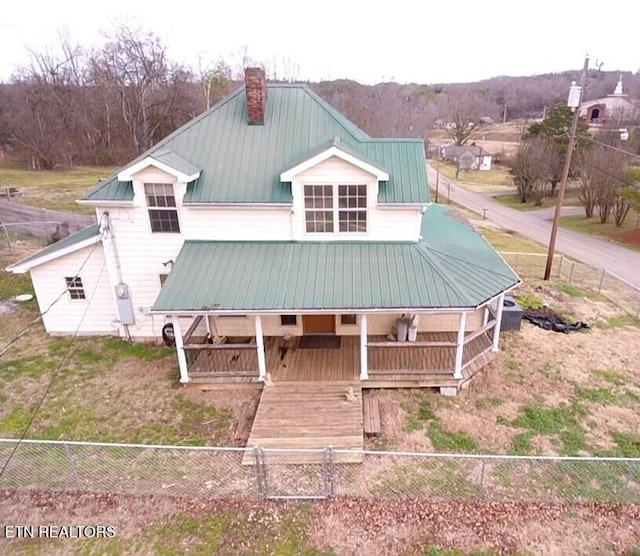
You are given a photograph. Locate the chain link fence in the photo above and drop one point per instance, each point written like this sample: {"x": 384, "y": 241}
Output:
{"x": 200, "y": 472}
{"x": 602, "y": 281}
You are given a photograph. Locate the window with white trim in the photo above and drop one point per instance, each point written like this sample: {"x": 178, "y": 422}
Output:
{"x": 161, "y": 203}
{"x": 352, "y": 208}
{"x": 75, "y": 287}
{"x": 324, "y": 205}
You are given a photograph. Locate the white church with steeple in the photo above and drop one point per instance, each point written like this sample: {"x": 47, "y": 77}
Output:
{"x": 616, "y": 108}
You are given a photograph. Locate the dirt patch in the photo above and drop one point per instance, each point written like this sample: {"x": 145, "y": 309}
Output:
{"x": 630, "y": 238}
{"x": 344, "y": 526}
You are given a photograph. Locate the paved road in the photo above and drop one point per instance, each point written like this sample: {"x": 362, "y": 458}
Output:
{"x": 625, "y": 263}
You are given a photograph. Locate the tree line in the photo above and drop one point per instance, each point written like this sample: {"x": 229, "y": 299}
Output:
{"x": 71, "y": 106}
{"x": 102, "y": 106}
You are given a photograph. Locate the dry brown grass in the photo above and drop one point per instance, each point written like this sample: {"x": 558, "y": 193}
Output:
{"x": 536, "y": 368}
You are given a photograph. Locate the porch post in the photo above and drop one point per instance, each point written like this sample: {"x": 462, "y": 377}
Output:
{"x": 262, "y": 364}
{"x": 496, "y": 329}
{"x": 364, "y": 371}
{"x": 462, "y": 324}
{"x": 485, "y": 318}
{"x": 182, "y": 358}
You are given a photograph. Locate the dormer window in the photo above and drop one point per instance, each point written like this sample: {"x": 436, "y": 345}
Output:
{"x": 161, "y": 202}
{"x": 324, "y": 205}
{"x": 352, "y": 208}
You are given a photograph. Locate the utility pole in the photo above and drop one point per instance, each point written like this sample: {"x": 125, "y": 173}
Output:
{"x": 574, "y": 102}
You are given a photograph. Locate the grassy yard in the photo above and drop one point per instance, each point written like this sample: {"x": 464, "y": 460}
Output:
{"x": 627, "y": 235}
{"x": 510, "y": 241}
{"x": 513, "y": 201}
{"x": 106, "y": 389}
{"x": 547, "y": 393}
{"x": 496, "y": 179}
{"x": 53, "y": 189}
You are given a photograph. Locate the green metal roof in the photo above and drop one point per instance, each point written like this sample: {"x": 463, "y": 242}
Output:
{"x": 242, "y": 163}
{"x": 73, "y": 239}
{"x": 452, "y": 267}
{"x": 111, "y": 190}
{"x": 175, "y": 161}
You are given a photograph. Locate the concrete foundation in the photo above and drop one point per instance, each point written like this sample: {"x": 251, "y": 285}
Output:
{"x": 448, "y": 391}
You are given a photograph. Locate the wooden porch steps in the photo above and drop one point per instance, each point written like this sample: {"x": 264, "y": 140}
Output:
{"x": 306, "y": 414}
{"x": 371, "y": 415}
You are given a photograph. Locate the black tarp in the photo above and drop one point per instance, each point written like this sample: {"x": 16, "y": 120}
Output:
{"x": 549, "y": 320}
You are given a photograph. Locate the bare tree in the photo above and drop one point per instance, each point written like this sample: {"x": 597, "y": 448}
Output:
{"x": 530, "y": 169}
{"x": 462, "y": 125}
{"x": 214, "y": 80}
{"x": 603, "y": 177}
{"x": 135, "y": 67}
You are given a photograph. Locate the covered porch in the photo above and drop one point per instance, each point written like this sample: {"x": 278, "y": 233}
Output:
{"x": 437, "y": 358}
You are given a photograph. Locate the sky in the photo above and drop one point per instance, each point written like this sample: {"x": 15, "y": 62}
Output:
{"x": 368, "y": 41}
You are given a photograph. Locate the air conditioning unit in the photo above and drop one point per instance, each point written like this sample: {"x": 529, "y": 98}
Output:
{"x": 511, "y": 314}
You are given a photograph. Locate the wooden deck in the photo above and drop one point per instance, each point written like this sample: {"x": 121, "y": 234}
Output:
{"x": 297, "y": 364}
{"x": 427, "y": 363}
{"x": 307, "y": 414}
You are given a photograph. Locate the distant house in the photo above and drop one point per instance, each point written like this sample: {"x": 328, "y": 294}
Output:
{"x": 616, "y": 108}
{"x": 467, "y": 157}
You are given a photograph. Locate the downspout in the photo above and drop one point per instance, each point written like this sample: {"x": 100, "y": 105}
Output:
{"x": 112, "y": 235}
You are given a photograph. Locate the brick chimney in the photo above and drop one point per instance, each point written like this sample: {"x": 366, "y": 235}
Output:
{"x": 256, "y": 89}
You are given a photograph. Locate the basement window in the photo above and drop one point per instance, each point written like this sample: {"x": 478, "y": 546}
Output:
{"x": 288, "y": 320}
{"x": 75, "y": 287}
{"x": 348, "y": 320}
{"x": 161, "y": 202}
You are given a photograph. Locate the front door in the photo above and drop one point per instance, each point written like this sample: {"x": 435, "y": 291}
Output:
{"x": 319, "y": 324}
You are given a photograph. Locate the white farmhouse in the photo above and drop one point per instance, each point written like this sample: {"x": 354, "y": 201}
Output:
{"x": 274, "y": 240}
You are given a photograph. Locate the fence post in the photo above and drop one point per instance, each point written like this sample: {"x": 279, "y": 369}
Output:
{"x": 44, "y": 225}
{"x": 604, "y": 270}
{"x": 573, "y": 264}
{"x": 482, "y": 494}
{"x": 6, "y": 235}
{"x": 72, "y": 466}
{"x": 261, "y": 472}
{"x": 329, "y": 457}
{"x": 560, "y": 266}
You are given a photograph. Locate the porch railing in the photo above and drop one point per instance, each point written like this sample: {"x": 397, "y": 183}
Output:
{"x": 219, "y": 360}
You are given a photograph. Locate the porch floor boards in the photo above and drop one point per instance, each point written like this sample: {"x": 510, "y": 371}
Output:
{"x": 308, "y": 414}
{"x": 342, "y": 364}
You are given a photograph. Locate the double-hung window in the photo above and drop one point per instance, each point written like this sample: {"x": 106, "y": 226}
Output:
{"x": 335, "y": 208}
{"x": 161, "y": 203}
{"x": 352, "y": 208}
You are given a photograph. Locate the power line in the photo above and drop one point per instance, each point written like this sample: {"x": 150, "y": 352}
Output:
{"x": 54, "y": 374}
{"x": 607, "y": 173}
{"x": 618, "y": 149}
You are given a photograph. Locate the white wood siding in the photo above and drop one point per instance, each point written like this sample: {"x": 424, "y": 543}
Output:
{"x": 378, "y": 324}
{"x": 65, "y": 316}
{"x": 382, "y": 224}
{"x": 244, "y": 326}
